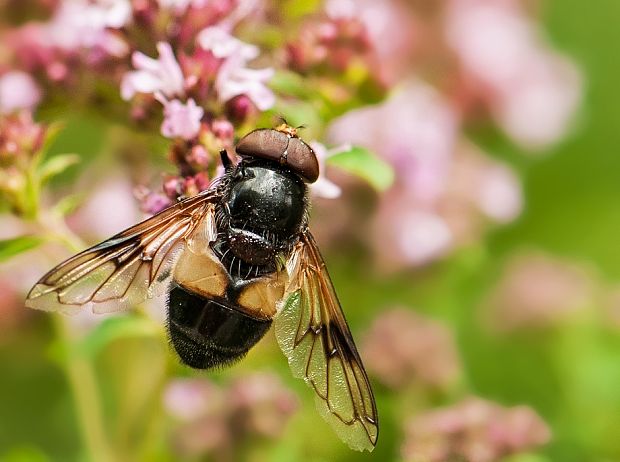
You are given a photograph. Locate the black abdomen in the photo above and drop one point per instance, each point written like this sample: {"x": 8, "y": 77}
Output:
{"x": 208, "y": 333}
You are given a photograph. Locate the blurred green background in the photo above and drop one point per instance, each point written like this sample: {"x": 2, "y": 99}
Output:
{"x": 569, "y": 373}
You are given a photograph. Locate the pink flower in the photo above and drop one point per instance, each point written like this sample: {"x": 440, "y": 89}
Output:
{"x": 215, "y": 419}
{"x": 180, "y": 119}
{"x": 418, "y": 236}
{"x": 180, "y": 6}
{"x": 473, "y": 430}
{"x": 403, "y": 347}
{"x": 83, "y": 23}
{"x": 415, "y": 130}
{"x": 483, "y": 185}
{"x": 223, "y": 45}
{"x": 151, "y": 202}
{"x": 262, "y": 404}
{"x": 323, "y": 187}
{"x": 538, "y": 290}
{"x": 492, "y": 39}
{"x": 108, "y": 194}
{"x": 18, "y": 90}
{"x": 389, "y": 30}
{"x": 532, "y": 90}
{"x": 189, "y": 399}
{"x": 162, "y": 75}
{"x": 200, "y": 410}
{"x": 234, "y": 79}
{"x": 499, "y": 194}
{"x": 537, "y": 109}
{"x": 444, "y": 186}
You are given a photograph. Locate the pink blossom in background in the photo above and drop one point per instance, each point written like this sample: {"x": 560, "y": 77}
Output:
{"x": 181, "y": 6}
{"x": 18, "y": 90}
{"x": 189, "y": 399}
{"x": 235, "y": 79}
{"x": 20, "y": 138}
{"x": 162, "y": 75}
{"x": 473, "y": 430}
{"x": 415, "y": 130}
{"x": 212, "y": 418}
{"x": 538, "y": 290}
{"x": 340, "y": 9}
{"x": 403, "y": 347}
{"x": 532, "y": 90}
{"x": 390, "y": 28}
{"x": 178, "y": 6}
{"x": 444, "y": 185}
{"x": 484, "y": 185}
{"x": 323, "y": 187}
{"x": 491, "y": 39}
{"x": 200, "y": 410}
{"x": 151, "y": 202}
{"x": 262, "y": 404}
{"x": 83, "y": 23}
{"x": 222, "y": 44}
{"x": 537, "y": 110}
{"x": 181, "y": 120}
{"x": 114, "y": 193}
{"x": 499, "y": 194}
{"x": 417, "y": 235}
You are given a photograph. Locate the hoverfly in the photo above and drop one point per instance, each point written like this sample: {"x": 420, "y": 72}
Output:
{"x": 233, "y": 259}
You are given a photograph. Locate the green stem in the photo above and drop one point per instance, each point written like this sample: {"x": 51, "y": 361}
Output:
{"x": 83, "y": 382}
{"x": 80, "y": 372}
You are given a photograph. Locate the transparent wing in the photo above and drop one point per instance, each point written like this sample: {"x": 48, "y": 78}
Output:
{"x": 314, "y": 336}
{"x": 125, "y": 269}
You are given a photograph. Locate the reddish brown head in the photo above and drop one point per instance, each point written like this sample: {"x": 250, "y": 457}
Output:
{"x": 281, "y": 145}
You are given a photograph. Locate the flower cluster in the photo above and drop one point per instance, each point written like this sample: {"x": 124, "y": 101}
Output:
{"x": 531, "y": 90}
{"x": 402, "y": 347}
{"x": 217, "y": 67}
{"x": 474, "y": 430}
{"x": 204, "y": 86}
{"x": 538, "y": 290}
{"x": 21, "y": 142}
{"x": 215, "y": 419}
{"x": 446, "y": 188}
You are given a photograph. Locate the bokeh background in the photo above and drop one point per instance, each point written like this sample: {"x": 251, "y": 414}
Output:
{"x": 468, "y": 211}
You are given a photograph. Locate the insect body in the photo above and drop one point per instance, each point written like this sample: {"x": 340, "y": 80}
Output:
{"x": 234, "y": 259}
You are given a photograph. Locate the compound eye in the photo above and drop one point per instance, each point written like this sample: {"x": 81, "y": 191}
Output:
{"x": 283, "y": 148}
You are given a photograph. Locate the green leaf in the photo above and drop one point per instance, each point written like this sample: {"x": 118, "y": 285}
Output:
{"x": 366, "y": 165}
{"x": 51, "y": 133}
{"x": 68, "y": 204}
{"x": 526, "y": 457}
{"x": 294, "y": 9}
{"x": 289, "y": 83}
{"x": 14, "y": 246}
{"x": 24, "y": 454}
{"x": 56, "y": 165}
{"x": 116, "y": 328}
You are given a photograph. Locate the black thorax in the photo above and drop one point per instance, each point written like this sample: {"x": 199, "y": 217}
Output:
{"x": 261, "y": 213}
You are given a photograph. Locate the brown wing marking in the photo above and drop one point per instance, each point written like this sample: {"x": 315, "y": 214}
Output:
{"x": 127, "y": 268}
{"x": 313, "y": 334}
